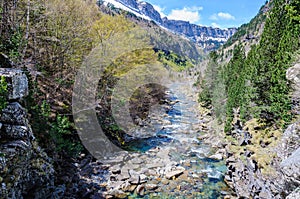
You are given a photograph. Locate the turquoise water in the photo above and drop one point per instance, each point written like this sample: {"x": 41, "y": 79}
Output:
{"x": 211, "y": 183}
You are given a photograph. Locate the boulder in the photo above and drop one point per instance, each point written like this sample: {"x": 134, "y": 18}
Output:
{"x": 216, "y": 157}
{"x": 17, "y": 83}
{"x": 11, "y": 132}
{"x": 14, "y": 114}
{"x": 174, "y": 173}
{"x": 291, "y": 169}
{"x": 293, "y": 75}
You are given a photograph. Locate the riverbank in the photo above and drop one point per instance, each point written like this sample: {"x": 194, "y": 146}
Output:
{"x": 178, "y": 164}
{"x": 259, "y": 164}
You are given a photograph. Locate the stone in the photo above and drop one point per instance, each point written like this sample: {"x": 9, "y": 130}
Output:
{"x": 245, "y": 138}
{"x": 140, "y": 190}
{"x": 143, "y": 178}
{"x": 17, "y": 83}
{"x": 115, "y": 185}
{"x": 152, "y": 172}
{"x": 134, "y": 177}
{"x": 151, "y": 186}
{"x": 293, "y": 74}
{"x": 187, "y": 163}
{"x": 216, "y": 157}
{"x": 136, "y": 161}
{"x": 184, "y": 176}
{"x": 118, "y": 193}
{"x": 25, "y": 168}
{"x": 155, "y": 165}
{"x": 264, "y": 195}
{"x": 16, "y": 132}
{"x": 290, "y": 140}
{"x": 124, "y": 175}
{"x": 295, "y": 194}
{"x": 178, "y": 171}
{"x": 291, "y": 169}
{"x": 195, "y": 176}
{"x": 127, "y": 187}
{"x": 116, "y": 169}
{"x": 14, "y": 114}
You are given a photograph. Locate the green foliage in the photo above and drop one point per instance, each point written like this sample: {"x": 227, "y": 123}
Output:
{"x": 61, "y": 132}
{"x": 279, "y": 39}
{"x": 11, "y": 45}
{"x": 257, "y": 84}
{"x": 45, "y": 109}
{"x": 205, "y": 95}
{"x": 176, "y": 62}
{"x": 3, "y": 93}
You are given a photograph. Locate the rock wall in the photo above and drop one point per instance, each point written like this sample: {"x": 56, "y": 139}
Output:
{"x": 25, "y": 170}
{"x": 244, "y": 174}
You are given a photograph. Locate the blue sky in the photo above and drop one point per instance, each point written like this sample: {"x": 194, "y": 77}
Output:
{"x": 216, "y": 13}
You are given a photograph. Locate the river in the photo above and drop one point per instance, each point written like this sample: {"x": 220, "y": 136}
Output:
{"x": 173, "y": 162}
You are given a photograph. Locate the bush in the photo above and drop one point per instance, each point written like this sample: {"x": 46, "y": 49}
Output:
{"x": 3, "y": 93}
{"x": 62, "y": 134}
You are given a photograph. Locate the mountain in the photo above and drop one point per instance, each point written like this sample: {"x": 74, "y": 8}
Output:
{"x": 208, "y": 38}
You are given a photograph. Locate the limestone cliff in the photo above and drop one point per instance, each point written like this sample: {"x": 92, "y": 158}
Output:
{"x": 25, "y": 170}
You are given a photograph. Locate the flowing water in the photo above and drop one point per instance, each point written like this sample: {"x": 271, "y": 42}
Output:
{"x": 174, "y": 145}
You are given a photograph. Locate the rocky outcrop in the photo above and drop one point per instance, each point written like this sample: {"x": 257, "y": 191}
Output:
{"x": 148, "y": 10}
{"x": 245, "y": 174}
{"x": 207, "y": 37}
{"x": 248, "y": 181}
{"x": 17, "y": 83}
{"x": 293, "y": 75}
{"x": 25, "y": 170}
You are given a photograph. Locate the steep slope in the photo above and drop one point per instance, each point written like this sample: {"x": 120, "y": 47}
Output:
{"x": 207, "y": 37}
{"x": 160, "y": 37}
{"x": 256, "y": 73}
{"x": 248, "y": 34}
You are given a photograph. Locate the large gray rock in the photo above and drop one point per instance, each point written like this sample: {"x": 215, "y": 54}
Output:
{"x": 289, "y": 141}
{"x": 14, "y": 114}
{"x": 291, "y": 169}
{"x": 17, "y": 83}
{"x": 25, "y": 170}
{"x": 293, "y": 75}
{"x": 10, "y": 132}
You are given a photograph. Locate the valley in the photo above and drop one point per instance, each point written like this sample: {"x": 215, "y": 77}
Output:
{"x": 109, "y": 99}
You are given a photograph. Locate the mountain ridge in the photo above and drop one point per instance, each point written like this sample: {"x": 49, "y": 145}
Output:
{"x": 208, "y": 38}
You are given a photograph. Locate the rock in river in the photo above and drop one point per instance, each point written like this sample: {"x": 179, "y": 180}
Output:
{"x": 178, "y": 171}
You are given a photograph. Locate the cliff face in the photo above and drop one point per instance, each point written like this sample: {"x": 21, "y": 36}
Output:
{"x": 25, "y": 170}
{"x": 208, "y": 38}
{"x": 148, "y": 10}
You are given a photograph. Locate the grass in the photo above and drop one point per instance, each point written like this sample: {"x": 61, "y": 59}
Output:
{"x": 263, "y": 140}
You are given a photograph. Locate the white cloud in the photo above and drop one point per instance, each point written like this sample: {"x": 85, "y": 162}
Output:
{"x": 160, "y": 10}
{"x": 190, "y": 14}
{"x": 222, "y": 16}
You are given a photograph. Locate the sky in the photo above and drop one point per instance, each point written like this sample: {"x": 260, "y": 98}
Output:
{"x": 215, "y": 13}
